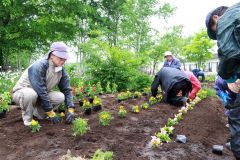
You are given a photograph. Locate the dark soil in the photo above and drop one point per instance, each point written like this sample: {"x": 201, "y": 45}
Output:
{"x": 127, "y": 138}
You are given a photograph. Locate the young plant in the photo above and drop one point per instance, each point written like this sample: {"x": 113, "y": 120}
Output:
{"x": 100, "y": 155}
{"x": 80, "y": 127}
{"x": 80, "y": 94}
{"x": 163, "y": 136}
{"x": 121, "y": 96}
{"x": 172, "y": 122}
{"x": 202, "y": 94}
{"x": 108, "y": 88}
{"x": 129, "y": 94}
{"x": 135, "y": 109}
{"x": 178, "y": 117}
{"x": 122, "y": 112}
{"x": 147, "y": 90}
{"x": 97, "y": 101}
{"x": 145, "y": 106}
{"x": 86, "y": 105}
{"x": 35, "y": 126}
{"x": 152, "y": 100}
{"x": 5, "y": 98}
{"x": 159, "y": 97}
{"x": 92, "y": 91}
{"x": 183, "y": 110}
{"x": 137, "y": 94}
{"x": 155, "y": 142}
{"x": 105, "y": 118}
{"x": 114, "y": 88}
{"x": 168, "y": 130}
{"x": 190, "y": 107}
{"x": 99, "y": 89}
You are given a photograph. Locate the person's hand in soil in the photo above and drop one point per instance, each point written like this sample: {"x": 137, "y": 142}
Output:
{"x": 70, "y": 115}
{"x": 53, "y": 117}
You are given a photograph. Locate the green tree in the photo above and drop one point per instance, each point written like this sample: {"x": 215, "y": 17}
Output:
{"x": 200, "y": 48}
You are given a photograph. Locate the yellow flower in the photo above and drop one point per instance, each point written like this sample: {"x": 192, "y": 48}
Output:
{"x": 34, "y": 123}
{"x": 62, "y": 114}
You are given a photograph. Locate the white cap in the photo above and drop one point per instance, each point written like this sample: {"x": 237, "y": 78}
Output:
{"x": 167, "y": 53}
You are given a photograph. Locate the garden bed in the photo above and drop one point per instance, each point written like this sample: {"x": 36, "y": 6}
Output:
{"x": 127, "y": 138}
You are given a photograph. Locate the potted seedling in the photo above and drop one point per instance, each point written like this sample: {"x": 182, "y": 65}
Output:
{"x": 97, "y": 104}
{"x": 99, "y": 89}
{"x": 129, "y": 95}
{"x": 92, "y": 93}
{"x": 108, "y": 88}
{"x": 145, "y": 106}
{"x": 152, "y": 100}
{"x": 80, "y": 126}
{"x": 114, "y": 88}
{"x": 159, "y": 97}
{"x": 122, "y": 112}
{"x": 80, "y": 96}
{"x": 5, "y": 98}
{"x": 137, "y": 94}
{"x": 120, "y": 97}
{"x": 135, "y": 109}
{"x": 35, "y": 126}
{"x": 87, "y": 107}
{"x": 146, "y": 91}
{"x": 105, "y": 118}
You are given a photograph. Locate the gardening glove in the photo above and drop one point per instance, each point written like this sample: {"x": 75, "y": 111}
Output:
{"x": 225, "y": 97}
{"x": 70, "y": 115}
{"x": 53, "y": 117}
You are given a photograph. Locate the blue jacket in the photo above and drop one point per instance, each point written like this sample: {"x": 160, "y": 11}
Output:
{"x": 174, "y": 64}
{"x": 37, "y": 78}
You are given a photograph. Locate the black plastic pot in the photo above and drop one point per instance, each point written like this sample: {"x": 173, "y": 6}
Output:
{"x": 88, "y": 111}
{"x": 96, "y": 108}
{"x": 2, "y": 114}
{"x": 80, "y": 103}
{"x": 90, "y": 100}
{"x": 119, "y": 100}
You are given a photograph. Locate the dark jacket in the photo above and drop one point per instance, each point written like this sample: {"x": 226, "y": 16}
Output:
{"x": 228, "y": 41}
{"x": 174, "y": 64}
{"x": 167, "y": 77}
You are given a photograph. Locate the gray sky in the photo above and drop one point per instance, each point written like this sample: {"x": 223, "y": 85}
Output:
{"x": 191, "y": 13}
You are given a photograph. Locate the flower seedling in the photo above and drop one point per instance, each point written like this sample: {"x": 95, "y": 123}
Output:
{"x": 105, "y": 118}
{"x": 172, "y": 122}
{"x": 35, "y": 126}
{"x": 108, "y": 88}
{"x": 114, "y": 88}
{"x": 178, "y": 117}
{"x": 145, "y": 106}
{"x": 159, "y": 97}
{"x": 86, "y": 105}
{"x": 152, "y": 100}
{"x": 122, "y": 112}
{"x": 80, "y": 94}
{"x": 99, "y": 89}
{"x": 121, "y": 97}
{"x": 168, "y": 130}
{"x": 155, "y": 142}
{"x": 135, "y": 109}
{"x": 137, "y": 94}
{"x": 5, "y": 98}
{"x": 190, "y": 107}
{"x": 163, "y": 136}
{"x": 100, "y": 155}
{"x": 129, "y": 94}
{"x": 147, "y": 90}
{"x": 92, "y": 91}
{"x": 183, "y": 110}
{"x": 97, "y": 101}
{"x": 202, "y": 94}
{"x": 80, "y": 127}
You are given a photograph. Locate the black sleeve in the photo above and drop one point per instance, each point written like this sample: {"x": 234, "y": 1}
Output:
{"x": 155, "y": 84}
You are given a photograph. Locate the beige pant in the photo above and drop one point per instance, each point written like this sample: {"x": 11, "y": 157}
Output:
{"x": 27, "y": 98}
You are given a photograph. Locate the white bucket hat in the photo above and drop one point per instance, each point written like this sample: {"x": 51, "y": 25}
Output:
{"x": 167, "y": 53}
